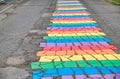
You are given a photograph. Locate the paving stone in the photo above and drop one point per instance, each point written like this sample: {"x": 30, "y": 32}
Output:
{"x": 115, "y": 62}
{"x": 96, "y": 76}
{"x": 69, "y": 64}
{"x": 47, "y": 65}
{"x": 67, "y": 77}
{"x": 82, "y": 64}
{"x": 65, "y": 71}
{"x": 77, "y": 71}
{"x": 80, "y": 77}
{"x": 91, "y": 70}
{"x": 106, "y": 63}
{"x": 51, "y": 72}
{"x": 109, "y": 76}
{"x": 47, "y": 78}
{"x": 94, "y": 63}
{"x": 58, "y": 64}
{"x": 104, "y": 70}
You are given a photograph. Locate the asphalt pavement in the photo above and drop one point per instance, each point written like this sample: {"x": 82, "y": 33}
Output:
{"x": 18, "y": 41}
{"x": 108, "y": 16}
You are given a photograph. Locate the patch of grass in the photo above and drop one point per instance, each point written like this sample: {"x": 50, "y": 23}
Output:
{"x": 117, "y": 2}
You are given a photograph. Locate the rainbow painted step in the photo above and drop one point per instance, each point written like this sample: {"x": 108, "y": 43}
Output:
{"x": 98, "y": 76}
{"x": 77, "y": 71}
{"x": 75, "y": 47}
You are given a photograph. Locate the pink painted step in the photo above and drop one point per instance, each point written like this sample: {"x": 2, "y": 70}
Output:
{"x": 67, "y": 77}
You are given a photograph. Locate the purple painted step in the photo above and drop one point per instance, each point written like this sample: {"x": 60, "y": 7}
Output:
{"x": 95, "y": 43}
{"x": 60, "y": 44}
{"x": 67, "y": 77}
{"x": 47, "y": 78}
{"x": 96, "y": 76}
{"x": 51, "y": 44}
{"x": 103, "y": 43}
{"x": 69, "y": 44}
{"x": 77, "y": 44}
{"x": 109, "y": 76}
{"x": 80, "y": 77}
{"x": 85, "y": 43}
{"x": 117, "y": 76}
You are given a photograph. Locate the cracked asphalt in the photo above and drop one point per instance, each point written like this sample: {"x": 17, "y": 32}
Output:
{"x": 23, "y": 27}
{"x": 108, "y": 16}
{"x": 21, "y": 32}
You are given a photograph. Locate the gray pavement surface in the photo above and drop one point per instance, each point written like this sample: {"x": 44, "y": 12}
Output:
{"x": 2, "y": 6}
{"x": 108, "y": 16}
{"x": 16, "y": 26}
{"x": 19, "y": 39}
{"x": 23, "y": 27}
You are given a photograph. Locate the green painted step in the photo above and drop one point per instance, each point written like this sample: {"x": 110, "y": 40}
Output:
{"x": 115, "y": 63}
{"x": 82, "y": 63}
{"x": 58, "y": 64}
{"x": 42, "y": 65}
{"x": 70, "y": 37}
{"x": 106, "y": 63}
{"x": 88, "y": 23}
{"x": 70, "y": 64}
{"x": 94, "y": 63}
